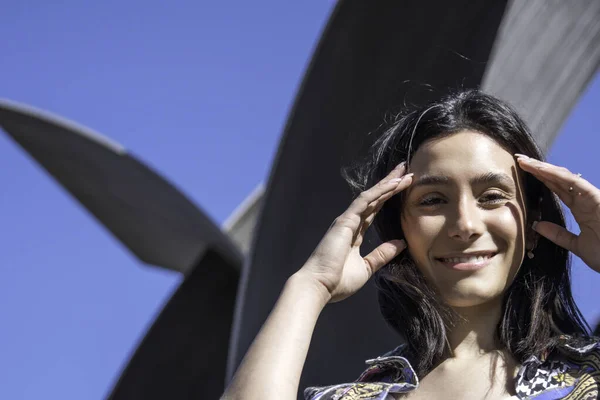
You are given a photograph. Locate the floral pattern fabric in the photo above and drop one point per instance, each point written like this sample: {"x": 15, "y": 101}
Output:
{"x": 570, "y": 372}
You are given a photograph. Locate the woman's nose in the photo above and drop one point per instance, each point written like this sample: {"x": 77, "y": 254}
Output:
{"x": 467, "y": 224}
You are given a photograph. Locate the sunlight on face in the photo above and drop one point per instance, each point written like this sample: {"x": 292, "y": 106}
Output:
{"x": 463, "y": 217}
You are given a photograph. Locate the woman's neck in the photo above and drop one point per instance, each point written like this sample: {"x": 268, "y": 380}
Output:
{"x": 475, "y": 333}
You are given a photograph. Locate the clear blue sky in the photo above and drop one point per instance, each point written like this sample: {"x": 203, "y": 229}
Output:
{"x": 198, "y": 90}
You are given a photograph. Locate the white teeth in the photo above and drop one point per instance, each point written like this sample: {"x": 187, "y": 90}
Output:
{"x": 470, "y": 259}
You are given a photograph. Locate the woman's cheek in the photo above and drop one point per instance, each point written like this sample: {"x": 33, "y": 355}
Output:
{"x": 432, "y": 226}
{"x": 421, "y": 232}
{"x": 506, "y": 222}
{"x": 506, "y": 228}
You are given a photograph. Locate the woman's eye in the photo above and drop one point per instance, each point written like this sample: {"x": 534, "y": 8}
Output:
{"x": 492, "y": 198}
{"x": 489, "y": 198}
{"x": 431, "y": 201}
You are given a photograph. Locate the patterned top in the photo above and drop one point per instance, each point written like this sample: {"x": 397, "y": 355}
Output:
{"x": 571, "y": 371}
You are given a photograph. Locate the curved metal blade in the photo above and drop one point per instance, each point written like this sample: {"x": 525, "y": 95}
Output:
{"x": 183, "y": 355}
{"x": 153, "y": 219}
{"x": 544, "y": 58}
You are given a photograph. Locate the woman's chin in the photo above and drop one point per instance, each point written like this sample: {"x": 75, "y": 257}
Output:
{"x": 472, "y": 298}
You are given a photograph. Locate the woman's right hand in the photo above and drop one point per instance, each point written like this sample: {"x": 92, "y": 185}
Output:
{"x": 336, "y": 263}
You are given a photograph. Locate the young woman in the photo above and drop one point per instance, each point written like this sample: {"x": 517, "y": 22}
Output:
{"x": 473, "y": 270}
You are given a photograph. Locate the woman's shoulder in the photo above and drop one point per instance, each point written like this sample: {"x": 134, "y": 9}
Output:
{"x": 579, "y": 344}
{"x": 387, "y": 374}
{"x": 572, "y": 368}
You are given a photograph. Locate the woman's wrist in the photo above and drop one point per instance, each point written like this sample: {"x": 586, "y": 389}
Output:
{"x": 305, "y": 283}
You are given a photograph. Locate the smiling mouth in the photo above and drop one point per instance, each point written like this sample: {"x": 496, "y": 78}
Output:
{"x": 468, "y": 261}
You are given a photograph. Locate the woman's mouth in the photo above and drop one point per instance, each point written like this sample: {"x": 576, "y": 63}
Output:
{"x": 467, "y": 262}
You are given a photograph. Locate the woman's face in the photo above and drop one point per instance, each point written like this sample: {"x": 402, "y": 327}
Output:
{"x": 464, "y": 217}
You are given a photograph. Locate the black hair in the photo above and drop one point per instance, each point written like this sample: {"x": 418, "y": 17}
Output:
{"x": 538, "y": 306}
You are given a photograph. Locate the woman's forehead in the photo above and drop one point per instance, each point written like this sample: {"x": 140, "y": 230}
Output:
{"x": 463, "y": 154}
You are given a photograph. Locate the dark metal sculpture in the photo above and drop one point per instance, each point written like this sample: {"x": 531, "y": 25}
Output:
{"x": 545, "y": 55}
{"x": 373, "y": 57}
{"x": 152, "y": 218}
{"x": 184, "y": 352}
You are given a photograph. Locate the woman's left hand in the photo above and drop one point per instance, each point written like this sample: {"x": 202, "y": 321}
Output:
{"x": 582, "y": 198}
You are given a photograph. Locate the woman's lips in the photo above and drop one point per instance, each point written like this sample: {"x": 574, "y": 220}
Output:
{"x": 467, "y": 262}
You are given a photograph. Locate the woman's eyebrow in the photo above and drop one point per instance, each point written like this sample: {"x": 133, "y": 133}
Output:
{"x": 494, "y": 177}
{"x": 487, "y": 178}
{"x": 430, "y": 180}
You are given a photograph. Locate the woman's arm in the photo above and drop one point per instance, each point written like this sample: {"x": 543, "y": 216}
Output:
{"x": 272, "y": 366}
{"x": 336, "y": 270}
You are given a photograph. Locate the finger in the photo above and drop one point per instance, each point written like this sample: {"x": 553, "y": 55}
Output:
{"x": 526, "y": 164}
{"x": 580, "y": 188}
{"x": 562, "y": 194}
{"x": 370, "y": 218}
{"x": 376, "y": 206}
{"x": 385, "y": 185}
{"x": 556, "y": 234}
{"x": 371, "y": 198}
{"x": 553, "y": 173}
{"x": 386, "y": 196}
{"x": 354, "y": 217}
{"x": 374, "y": 209}
{"x": 383, "y": 254}
{"x": 559, "y": 175}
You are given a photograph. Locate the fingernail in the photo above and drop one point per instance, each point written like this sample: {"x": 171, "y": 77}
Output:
{"x": 524, "y": 159}
{"x": 401, "y": 165}
{"x": 534, "y": 225}
{"x": 403, "y": 177}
